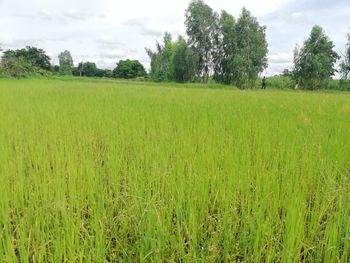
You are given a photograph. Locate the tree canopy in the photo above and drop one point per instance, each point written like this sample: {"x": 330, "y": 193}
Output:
{"x": 87, "y": 69}
{"x": 129, "y": 69}
{"x": 345, "y": 64}
{"x": 66, "y": 63}
{"x": 252, "y": 49}
{"x": 200, "y": 28}
{"x": 241, "y": 50}
{"x": 25, "y": 61}
{"x": 173, "y": 61}
{"x": 218, "y": 47}
{"x": 35, "y": 56}
{"x": 314, "y": 62}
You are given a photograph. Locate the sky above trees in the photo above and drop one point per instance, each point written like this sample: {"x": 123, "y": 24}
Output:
{"x": 106, "y": 31}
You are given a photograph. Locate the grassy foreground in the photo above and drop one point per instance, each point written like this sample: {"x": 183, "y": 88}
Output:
{"x": 123, "y": 171}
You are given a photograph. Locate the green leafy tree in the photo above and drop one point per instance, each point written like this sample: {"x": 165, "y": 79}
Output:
{"x": 129, "y": 69}
{"x": 35, "y": 56}
{"x": 225, "y": 49}
{"x": 251, "y": 50}
{"x": 161, "y": 59}
{"x": 55, "y": 69}
{"x": 87, "y": 69}
{"x": 201, "y": 24}
{"x": 99, "y": 73}
{"x": 21, "y": 63}
{"x": 184, "y": 62}
{"x": 107, "y": 73}
{"x": 66, "y": 63}
{"x": 314, "y": 62}
{"x": 345, "y": 64}
{"x": 15, "y": 66}
{"x": 173, "y": 61}
{"x": 30, "y": 55}
{"x": 239, "y": 49}
{"x": 158, "y": 70}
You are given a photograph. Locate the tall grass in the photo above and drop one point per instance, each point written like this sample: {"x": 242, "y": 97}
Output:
{"x": 118, "y": 171}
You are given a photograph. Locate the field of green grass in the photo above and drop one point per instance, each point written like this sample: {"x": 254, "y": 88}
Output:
{"x": 96, "y": 171}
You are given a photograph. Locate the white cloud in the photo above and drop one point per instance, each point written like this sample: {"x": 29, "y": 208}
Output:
{"x": 105, "y": 31}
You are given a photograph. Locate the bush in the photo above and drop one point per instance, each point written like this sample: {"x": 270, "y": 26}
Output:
{"x": 344, "y": 85}
{"x": 129, "y": 69}
{"x": 18, "y": 67}
{"x": 280, "y": 82}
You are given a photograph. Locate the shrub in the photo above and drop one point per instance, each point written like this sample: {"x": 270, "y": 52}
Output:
{"x": 280, "y": 82}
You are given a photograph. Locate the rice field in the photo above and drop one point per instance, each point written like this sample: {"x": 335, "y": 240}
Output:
{"x": 113, "y": 171}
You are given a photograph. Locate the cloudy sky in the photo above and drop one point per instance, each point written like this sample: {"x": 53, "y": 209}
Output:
{"x": 105, "y": 31}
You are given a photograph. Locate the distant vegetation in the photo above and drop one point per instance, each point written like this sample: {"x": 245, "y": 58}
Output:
{"x": 314, "y": 62}
{"x": 129, "y": 69}
{"x": 218, "y": 48}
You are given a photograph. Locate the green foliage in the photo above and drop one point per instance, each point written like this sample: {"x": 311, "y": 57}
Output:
{"x": 218, "y": 48}
{"x": 107, "y": 73}
{"x": 241, "y": 52}
{"x": 338, "y": 84}
{"x": 345, "y": 64}
{"x": 29, "y": 61}
{"x": 201, "y": 25}
{"x": 55, "y": 69}
{"x": 314, "y": 62}
{"x": 66, "y": 63}
{"x": 251, "y": 57}
{"x": 225, "y": 49}
{"x": 3, "y": 74}
{"x": 184, "y": 62}
{"x": 15, "y": 66}
{"x": 129, "y": 69}
{"x": 89, "y": 69}
{"x": 344, "y": 84}
{"x": 33, "y": 56}
{"x": 280, "y": 82}
{"x": 125, "y": 171}
{"x": 161, "y": 60}
{"x": 19, "y": 66}
{"x": 173, "y": 61}
{"x": 86, "y": 69}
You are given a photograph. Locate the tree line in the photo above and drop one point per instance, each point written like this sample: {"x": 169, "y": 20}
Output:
{"x": 217, "y": 47}
{"x": 32, "y": 61}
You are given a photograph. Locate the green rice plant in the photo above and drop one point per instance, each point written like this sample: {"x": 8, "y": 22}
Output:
{"x": 118, "y": 171}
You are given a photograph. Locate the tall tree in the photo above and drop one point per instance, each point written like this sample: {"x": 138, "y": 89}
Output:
{"x": 225, "y": 49}
{"x": 251, "y": 49}
{"x": 173, "y": 61}
{"x": 66, "y": 63}
{"x": 314, "y": 62}
{"x": 184, "y": 62}
{"x": 161, "y": 60}
{"x": 201, "y": 29}
{"x": 345, "y": 64}
{"x": 157, "y": 72}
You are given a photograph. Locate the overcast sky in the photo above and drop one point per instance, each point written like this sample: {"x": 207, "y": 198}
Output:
{"x": 105, "y": 31}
